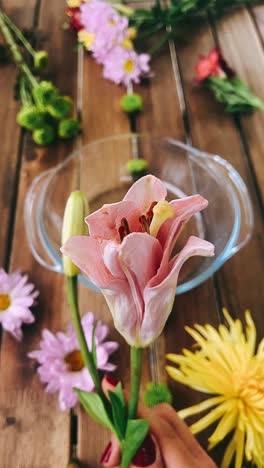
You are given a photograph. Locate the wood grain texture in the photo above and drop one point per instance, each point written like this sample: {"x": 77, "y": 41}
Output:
{"x": 102, "y": 117}
{"x": 242, "y": 47}
{"x": 10, "y": 133}
{"x": 34, "y": 432}
{"x": 163, "y": 116}
{"x": 242, "y": 291}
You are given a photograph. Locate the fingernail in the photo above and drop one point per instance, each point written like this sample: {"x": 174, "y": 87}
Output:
{"x": 107, "y": 452}
{"x": 111, "y": 380}
{"x": 146, "y": 454}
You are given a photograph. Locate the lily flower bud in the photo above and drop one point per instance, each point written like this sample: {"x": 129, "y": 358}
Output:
{"x": 76, "y": 210}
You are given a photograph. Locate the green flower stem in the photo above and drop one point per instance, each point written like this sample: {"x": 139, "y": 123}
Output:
{"x": 75, "y": 315}
{"x": 135, "y": 370}
{"x": 19, "y": 35}
{"x": 25, "y": 96}
{"x": 16, "y": 54}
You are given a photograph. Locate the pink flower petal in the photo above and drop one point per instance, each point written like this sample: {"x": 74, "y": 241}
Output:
{"x": 104, "y": 223}
{"x": 140, "y": 256}
{"x": 86, "y": 253}
{"x": 145, "y": 191}
{"x": 160, "y": 297}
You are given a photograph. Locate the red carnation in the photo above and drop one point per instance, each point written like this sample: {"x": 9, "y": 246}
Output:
{"x": 74, "y": 15}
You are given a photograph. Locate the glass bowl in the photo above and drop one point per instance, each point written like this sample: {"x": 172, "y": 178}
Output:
{"x": 99, "y": 169}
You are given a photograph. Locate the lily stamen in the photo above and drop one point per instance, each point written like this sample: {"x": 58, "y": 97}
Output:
{"x": 123, "y": 229}
{"x": 144, "y": 223}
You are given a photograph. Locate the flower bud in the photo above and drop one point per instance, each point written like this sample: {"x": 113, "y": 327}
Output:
{"x": 31, "y": 117}
{"x": 44, "y": 136}
{"x": 137, "y": 168}
{"x": 60, "y": 107}
{"x": 156, "y": 394}
{"x": 44, "y": 93}
{"x": 131, "y": 103}
{"x": 75, "y": 212}
{"x": 41, "y": 59}
{"x": 68, "y": 128}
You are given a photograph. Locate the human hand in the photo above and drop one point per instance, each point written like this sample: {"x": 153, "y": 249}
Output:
{"x": 170, "y": 443}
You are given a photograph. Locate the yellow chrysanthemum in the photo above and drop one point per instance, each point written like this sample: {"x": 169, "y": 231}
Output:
{"x": 226, "y": 365}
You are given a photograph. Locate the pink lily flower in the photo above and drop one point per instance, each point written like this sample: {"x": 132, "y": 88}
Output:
{"x": 129, "y": 256}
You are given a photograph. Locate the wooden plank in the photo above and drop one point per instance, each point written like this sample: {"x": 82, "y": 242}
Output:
{"x": 242, "y": 48}
{"x": 102, "y": 117}
{"x": 10, "y": 137}
{"x": 214, "y": 131}
{"x": 163, "y": 116}
{"x": 35, "y": 432}
{"x": 245, "y": 54}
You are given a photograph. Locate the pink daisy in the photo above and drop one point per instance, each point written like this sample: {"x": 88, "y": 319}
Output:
{"x": 109, "y": 28}
{"x": 61, "y": 363}
{"x": 16, "y": 298}
{"x": 125, "y": 65}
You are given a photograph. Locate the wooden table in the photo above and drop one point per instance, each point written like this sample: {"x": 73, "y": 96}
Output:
{"x": 33, "y": 431}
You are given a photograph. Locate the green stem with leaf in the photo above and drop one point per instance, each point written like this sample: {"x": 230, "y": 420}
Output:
{"x": 135, "y": 372}
{"x": 75, "y": 315}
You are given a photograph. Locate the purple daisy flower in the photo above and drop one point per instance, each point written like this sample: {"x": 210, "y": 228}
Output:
{"x": 16, "y": 298}
{"x": 125, "y": 65}
{"x": 109, "y": 28}
{"x": 61, "y": 363}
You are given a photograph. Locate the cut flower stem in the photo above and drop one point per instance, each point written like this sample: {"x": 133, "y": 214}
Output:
{"x": 87, "y": 355}
{"x": 135, "y": 373}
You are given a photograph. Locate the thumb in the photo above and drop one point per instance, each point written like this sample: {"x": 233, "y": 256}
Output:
{"x": 109, "y": 383}
{"x": 147, "y": 455}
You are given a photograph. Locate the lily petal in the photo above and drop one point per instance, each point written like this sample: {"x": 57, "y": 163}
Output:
{"x": 145, "y": 191}
{"x": 86, "y": 253}
{"x": 160, "y": 296}
{"x": 105, "y": 222}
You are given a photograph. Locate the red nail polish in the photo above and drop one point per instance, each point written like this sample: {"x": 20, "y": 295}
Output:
{"x": 146, "y": 454}
{"x": 111, "y": 380}
{"x": 107, "y": 453}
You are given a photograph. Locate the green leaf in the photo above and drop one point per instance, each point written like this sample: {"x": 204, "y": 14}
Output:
{"x": 94, "y": 406}
{"x": 234, "y": 94}
{"x": 119, "y": 411}
{"x": 136, "y": 432}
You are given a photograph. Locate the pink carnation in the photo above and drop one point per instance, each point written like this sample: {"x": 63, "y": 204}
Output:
{"x": 16, "y": 298}
{"x": 61, "y": 363}
{"x": 125, "y": 65}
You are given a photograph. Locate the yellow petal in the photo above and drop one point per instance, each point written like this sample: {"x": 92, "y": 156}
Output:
{"x": 226, "y": 425}
{"x": 240, "y": 445}
{"x": 204, "y": 405}
{"x": 229, "y": 453}
{"x": 210, "y": 418}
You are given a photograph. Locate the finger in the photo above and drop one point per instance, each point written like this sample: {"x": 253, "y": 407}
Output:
{"x": 174, "y": 451}
{"x": 148, "y": 454}
{"x": 111, "y": 454}
{"x": 109, "y": 383}
{"x": 167, "y": 413}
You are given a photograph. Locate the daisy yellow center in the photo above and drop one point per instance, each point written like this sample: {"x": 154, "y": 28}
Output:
{"x": 127, "y": 43}
{"x": 4, "y": 302}
{"x": 129, "y": 66}
{"x": 74, "y": 360}
{"x": 112, "y": 22}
